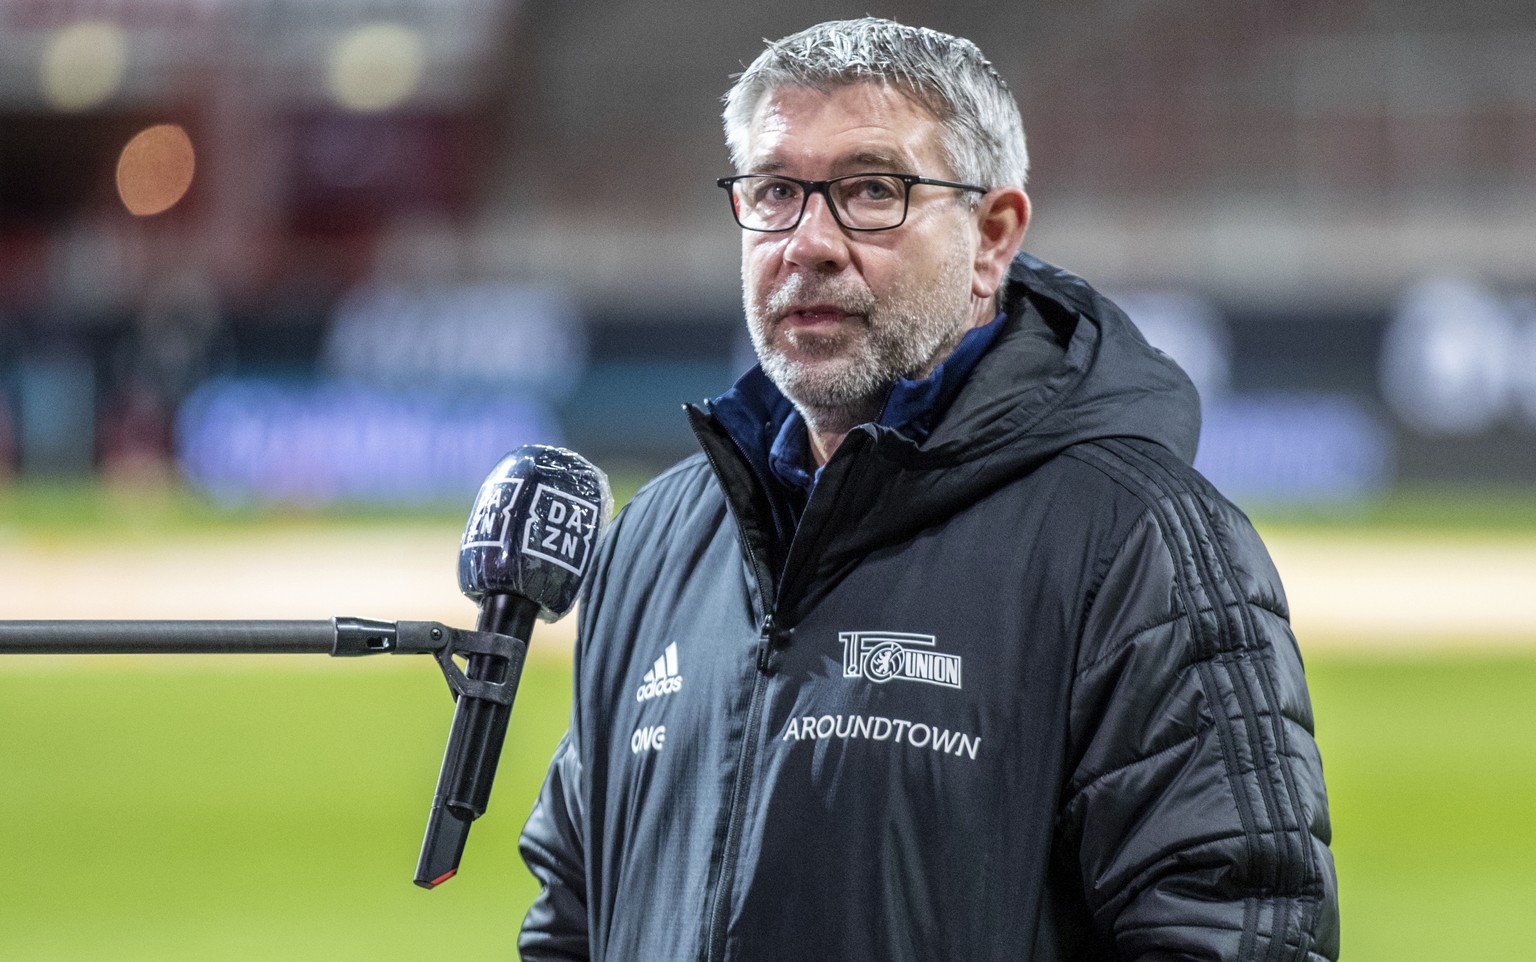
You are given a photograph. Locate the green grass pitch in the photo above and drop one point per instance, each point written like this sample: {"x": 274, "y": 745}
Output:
{"x": 1431, "y": 768}
{"x": 186, "y": 808}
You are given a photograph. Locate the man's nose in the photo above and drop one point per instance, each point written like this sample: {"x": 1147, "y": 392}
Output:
{"x": 818, "y": 242}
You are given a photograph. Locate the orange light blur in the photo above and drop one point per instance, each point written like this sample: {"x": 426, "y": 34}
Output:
{"x": 155, "y": 169}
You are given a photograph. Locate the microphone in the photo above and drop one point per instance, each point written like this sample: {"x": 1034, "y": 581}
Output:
{"x": 528, "y": 545}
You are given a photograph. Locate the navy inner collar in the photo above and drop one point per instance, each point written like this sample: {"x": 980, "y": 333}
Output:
{"x": 772, "y": 434}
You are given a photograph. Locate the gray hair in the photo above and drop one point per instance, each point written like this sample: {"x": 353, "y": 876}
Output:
{"x": 983, "y": 136}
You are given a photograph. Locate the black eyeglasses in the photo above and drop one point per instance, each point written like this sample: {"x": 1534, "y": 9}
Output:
{"x": 769, "y": 203}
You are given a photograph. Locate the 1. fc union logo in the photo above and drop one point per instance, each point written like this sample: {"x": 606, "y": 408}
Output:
{"x": 880, "y": 656}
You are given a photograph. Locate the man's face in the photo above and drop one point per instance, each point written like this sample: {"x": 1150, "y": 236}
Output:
{"x": 837, "y": 315}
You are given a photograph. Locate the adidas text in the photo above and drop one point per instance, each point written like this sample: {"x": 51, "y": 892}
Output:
{"x": 663, "y": 678}
{"x": 655, "y": 689}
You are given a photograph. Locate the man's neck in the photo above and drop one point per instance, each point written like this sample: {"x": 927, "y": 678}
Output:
{"x": 826, "y": 429}
{"x": 824, "y": 444}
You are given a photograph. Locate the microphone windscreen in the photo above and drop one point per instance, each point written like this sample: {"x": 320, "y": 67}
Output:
{"x": 535, "y": 527}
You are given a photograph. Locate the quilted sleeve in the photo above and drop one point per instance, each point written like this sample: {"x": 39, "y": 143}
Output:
{"x": 1195, "y": 817}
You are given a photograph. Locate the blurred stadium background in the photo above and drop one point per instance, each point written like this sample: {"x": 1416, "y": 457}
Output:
{"x": 281, "y": 279}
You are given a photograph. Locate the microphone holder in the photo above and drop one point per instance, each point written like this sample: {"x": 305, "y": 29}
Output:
{"x": 341, "y": 637}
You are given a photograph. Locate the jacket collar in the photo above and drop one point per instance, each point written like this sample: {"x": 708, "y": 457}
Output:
{"x": 772, "y": 434}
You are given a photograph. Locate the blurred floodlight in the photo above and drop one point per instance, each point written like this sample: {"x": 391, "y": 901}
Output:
{"x": 155, "y": 169}
{"x": 83, "y": 65}
{"x": 376, "y": 67}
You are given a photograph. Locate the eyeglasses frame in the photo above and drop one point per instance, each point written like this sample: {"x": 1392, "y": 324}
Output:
{"x": 809, "y": 187}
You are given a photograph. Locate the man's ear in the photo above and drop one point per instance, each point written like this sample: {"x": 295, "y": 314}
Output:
{"x": 1002, "y": 217}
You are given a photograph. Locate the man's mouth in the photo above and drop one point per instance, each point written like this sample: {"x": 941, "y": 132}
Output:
{"x": 816, "y": 314}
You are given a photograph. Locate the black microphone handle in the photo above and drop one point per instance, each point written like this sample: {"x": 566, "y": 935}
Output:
{"x": 474, "y": 742}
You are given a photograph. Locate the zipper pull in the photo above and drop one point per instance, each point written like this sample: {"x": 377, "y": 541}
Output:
{"x": 765, "y": 648}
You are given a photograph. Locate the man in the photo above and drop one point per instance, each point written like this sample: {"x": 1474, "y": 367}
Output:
{"x": 941, "y": 650}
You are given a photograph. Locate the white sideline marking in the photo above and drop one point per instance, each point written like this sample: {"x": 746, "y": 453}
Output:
{"x": 1376, "y": 592}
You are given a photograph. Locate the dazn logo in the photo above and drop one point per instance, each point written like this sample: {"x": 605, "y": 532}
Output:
{"x": 561, "y": 529}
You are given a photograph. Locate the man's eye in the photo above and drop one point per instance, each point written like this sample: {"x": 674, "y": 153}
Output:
{"x": 872, "y": 189}
{"x": 774, "y": 192}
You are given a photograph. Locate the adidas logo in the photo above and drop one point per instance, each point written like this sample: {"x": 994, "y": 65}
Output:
{"x": 663, "y": 678}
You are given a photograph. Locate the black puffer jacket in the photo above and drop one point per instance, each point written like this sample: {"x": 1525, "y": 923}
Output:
{"x": 1023, "y": 691}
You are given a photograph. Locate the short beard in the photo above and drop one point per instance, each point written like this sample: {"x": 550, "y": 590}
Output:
{"x": 849, "y": 373}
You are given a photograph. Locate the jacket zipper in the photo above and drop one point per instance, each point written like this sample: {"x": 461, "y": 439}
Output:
{"x": 714, "y": 949}
{"x": 714, "y": 944}
{"x": 720, "y": 909}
